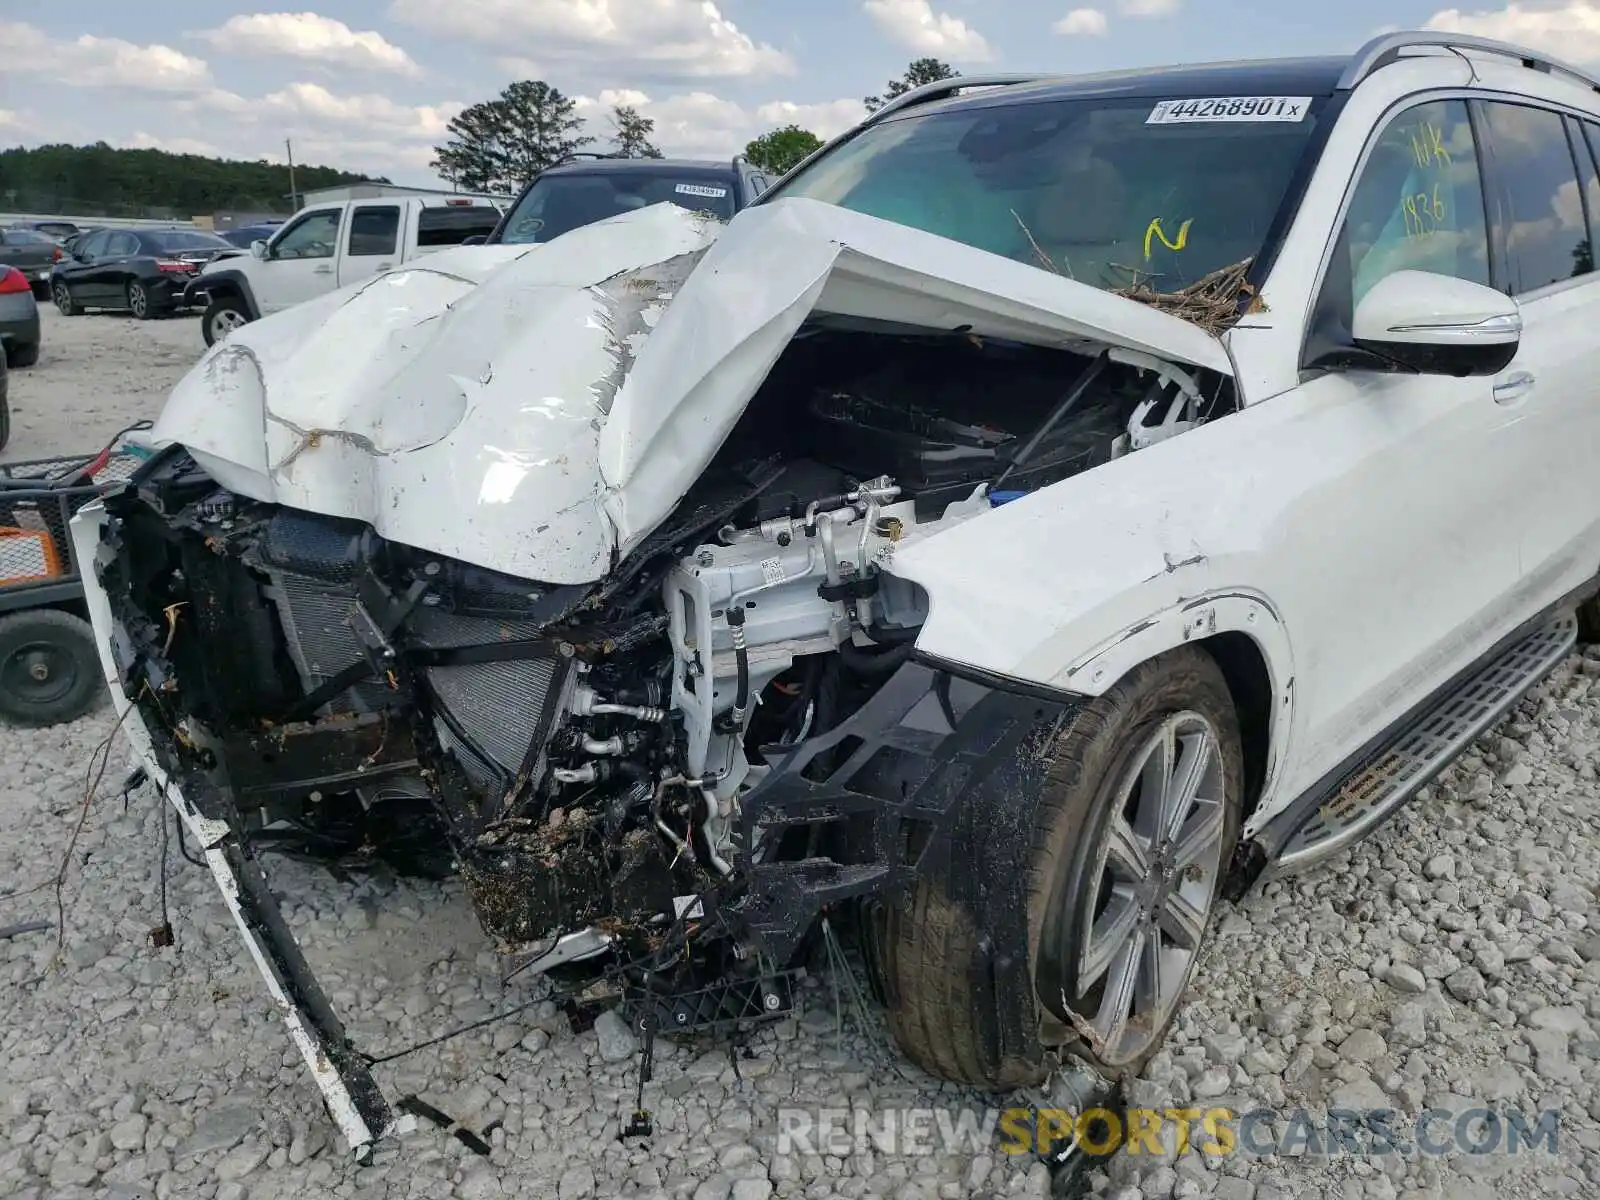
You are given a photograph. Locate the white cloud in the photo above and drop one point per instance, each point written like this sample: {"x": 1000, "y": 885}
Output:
{"x": 1149, "y": 8}
{"x": 664, "y": 39}
{"x": 1082, "y": 22}
{"x": 91, "y": 61}
{"x": 915, "y": 25}
{"x": 827, "y": 120}
{"x": 1571, "y": 29}
{"x": 310, "y": 38}
{"x": 701, "y": 125}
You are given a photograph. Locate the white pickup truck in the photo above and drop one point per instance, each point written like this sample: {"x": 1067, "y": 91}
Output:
{"x": 328, "y": 246}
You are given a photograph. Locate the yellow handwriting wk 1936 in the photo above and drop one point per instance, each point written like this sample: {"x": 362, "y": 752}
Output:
{"x": 1154, "y": 232}
{"x": 1428, "y": 148}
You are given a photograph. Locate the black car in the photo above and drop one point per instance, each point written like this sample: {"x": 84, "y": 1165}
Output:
{"x": 584, "y": 189}
{"x": 143, "y": 271}
{"x": 60, "y": 230}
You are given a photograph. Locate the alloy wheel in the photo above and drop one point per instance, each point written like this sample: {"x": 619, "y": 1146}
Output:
{"x": 225, "y": 321}
{"x": 138, "y": 300}
{"x": 1157, "y": 871}
{"x": 63, "y": 299}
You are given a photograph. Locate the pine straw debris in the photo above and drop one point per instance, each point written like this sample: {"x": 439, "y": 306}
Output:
{"x": 1213, "y": 302}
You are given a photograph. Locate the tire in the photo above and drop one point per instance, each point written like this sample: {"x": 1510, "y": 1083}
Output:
{"x": 49, "y": 668}
{"x": 139, "y": 303}
{"x": 222, "y": 316}
{"x": 65, "y": 304}
{"x": 23, "y": 356}
{"x": 927, "y": 947}
{"x": 1589, "y": 621}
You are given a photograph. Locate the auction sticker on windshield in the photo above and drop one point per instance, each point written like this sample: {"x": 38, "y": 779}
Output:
{"x": 1230, "y": 108}
{"x": 700, "y": 189}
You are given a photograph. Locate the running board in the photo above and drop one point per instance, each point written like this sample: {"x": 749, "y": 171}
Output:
{"x": 1373, "y": 792}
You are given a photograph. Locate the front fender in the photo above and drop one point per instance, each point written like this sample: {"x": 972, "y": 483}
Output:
{"x": 217, "y": 282}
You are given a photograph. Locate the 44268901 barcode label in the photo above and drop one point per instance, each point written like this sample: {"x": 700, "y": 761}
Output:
{"x": 1230, "y": 108}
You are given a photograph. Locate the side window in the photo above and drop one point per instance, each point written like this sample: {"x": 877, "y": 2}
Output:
{"x": 313, "y": 236}
{"x": 1419, "y": 203}
{"x": 452, "y": 224}
{"x": 94, "y": 246}
{"x": 122, "y": 244}
{"x": 1546, "y": 232}
{"x": 1583, "y": 136}
{"x": 374, "y": 229}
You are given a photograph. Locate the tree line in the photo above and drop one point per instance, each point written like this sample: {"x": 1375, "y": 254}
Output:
{"x": 498, "y": 145}
{"x": 100, "y": 180}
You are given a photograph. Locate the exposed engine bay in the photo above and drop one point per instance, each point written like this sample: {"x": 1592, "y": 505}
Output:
{"x": 613, "y": 767}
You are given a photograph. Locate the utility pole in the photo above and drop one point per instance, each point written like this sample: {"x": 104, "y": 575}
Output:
{"x": 294, "y": 196}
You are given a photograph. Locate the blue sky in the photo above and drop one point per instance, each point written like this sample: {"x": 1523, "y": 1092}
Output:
{"x": 369, "y": 84}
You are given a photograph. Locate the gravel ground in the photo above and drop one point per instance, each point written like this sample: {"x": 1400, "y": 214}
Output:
{"x": 1448, "y": 962}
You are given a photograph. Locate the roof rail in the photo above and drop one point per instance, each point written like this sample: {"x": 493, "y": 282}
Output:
{"x": 1389, "y": 47}
{"x": 942, "y": 89}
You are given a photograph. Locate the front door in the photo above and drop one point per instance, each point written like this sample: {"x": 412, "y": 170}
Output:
{"x": 300, "y": 261}
{"x": 1407, "y": 528}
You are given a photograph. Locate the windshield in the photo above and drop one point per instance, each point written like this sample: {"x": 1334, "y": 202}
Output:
{"x": 1115, "y": 193}
{"x": 173, "y": 243}
{"x": 556, "y": 204}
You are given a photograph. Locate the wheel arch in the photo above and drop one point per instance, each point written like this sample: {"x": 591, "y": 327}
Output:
{"x": 1244, "y": 634}
{"x": 229, "y": 284}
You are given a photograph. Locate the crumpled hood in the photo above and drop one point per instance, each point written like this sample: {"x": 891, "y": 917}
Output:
{"x": 539, "y": 410}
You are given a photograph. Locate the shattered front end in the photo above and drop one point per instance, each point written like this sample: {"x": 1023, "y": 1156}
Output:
{"x": 701, "y": 725}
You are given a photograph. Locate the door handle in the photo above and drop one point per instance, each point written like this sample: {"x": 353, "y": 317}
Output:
{"x": 385, "y": 266}
{"x": 322, "y": 270}
{"x": 1513, "y": 387}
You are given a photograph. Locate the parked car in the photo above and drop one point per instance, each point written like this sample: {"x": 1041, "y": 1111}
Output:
{"x": 58, "y": 230}
{"x": 591, "y": 187}
{"x": 5, "y": 402}
{"x": 244, "y": 235}
{"x": 19, "y": 318}
{"x": 329, "y": 246}
{"x": 31, "y": 252}
{"x": 143, "y": 271}
{"x": 1053, "y": 506}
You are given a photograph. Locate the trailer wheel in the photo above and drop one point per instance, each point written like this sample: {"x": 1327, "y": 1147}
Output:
{"x": 49, "y": 668}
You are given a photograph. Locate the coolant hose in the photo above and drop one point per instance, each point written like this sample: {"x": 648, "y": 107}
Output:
{"x": 741, "y": 658}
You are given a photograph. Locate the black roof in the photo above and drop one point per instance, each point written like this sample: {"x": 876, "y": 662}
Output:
{"x": 725, "y": 165}
{"x": 1260, "y": 77}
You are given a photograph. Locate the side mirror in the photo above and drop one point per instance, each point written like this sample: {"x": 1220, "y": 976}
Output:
{"x": 476, "y": 239}
{"x": 1438, "y": 325}
{"x": 258, "y": 248}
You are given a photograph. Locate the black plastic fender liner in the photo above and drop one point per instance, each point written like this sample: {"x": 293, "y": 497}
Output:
{"x": 937, "y": 776}
{"x": 217, "y": 283}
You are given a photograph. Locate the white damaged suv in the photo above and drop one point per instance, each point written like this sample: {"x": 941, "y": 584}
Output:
{"x": 1054, "y": 504}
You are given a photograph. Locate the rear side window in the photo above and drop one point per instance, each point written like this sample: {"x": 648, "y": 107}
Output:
{"x": 1419, "y": 203}
{"x": 374, "y": 230}
{"x": 1546, "y": 230}
{"x": 451, "y": 225}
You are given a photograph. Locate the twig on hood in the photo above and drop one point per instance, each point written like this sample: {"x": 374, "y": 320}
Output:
{"x": 1211, "y": 302}
{"x": 1045, "y": 260}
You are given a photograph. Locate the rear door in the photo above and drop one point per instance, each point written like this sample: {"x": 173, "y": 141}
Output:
{"x": 114, "y": 268}
{"x": 371, "y": 242}
{"x": 1543, "y": 178}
